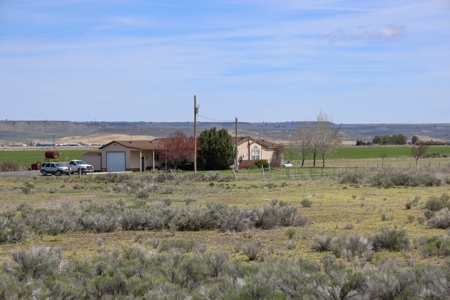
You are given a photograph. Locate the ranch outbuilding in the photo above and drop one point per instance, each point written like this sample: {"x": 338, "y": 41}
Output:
{"x": 138, "y": 155}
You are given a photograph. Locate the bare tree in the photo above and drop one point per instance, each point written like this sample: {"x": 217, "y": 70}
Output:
{"x": 320, "y": 139}
{"x": 278, "y": 155}
{"x": 326, "y": 138}
{"x": 418, "y": 150}
{"x": 314, "y": 144}
{"x": 301, "y": 141}
{"x": 382, "y": 156}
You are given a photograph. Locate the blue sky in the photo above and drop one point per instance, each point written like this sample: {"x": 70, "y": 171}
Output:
{"x": 116, "y": 60}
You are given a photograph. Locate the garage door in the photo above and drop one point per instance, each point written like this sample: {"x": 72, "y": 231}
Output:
{"x": 115, "y": 161}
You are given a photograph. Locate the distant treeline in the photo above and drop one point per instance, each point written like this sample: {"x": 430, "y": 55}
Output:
{"x": 395, "y": 139}
{"x": 432, "y": 143}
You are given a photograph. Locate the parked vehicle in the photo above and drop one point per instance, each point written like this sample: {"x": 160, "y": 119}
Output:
{"x": 287, "y": 165}
{"x": 150, "y": 168}
{"x": 75, "y": 165}
{"x": 54, "y": 168}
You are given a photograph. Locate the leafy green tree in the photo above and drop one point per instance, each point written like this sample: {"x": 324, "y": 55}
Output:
{"x": 395, "y": 139}
{"x": 217, "y": 150}
{"x": 414, "y": 139}
{"x": 399, "y": 139}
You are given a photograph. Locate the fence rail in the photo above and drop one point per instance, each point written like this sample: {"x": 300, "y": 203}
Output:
{"x": 293, "y": 173}
{"x": 308, "y": 172}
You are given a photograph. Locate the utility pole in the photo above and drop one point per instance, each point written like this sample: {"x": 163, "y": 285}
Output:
{"x": 236, "y": 164}
{"x": 195, "y": 133}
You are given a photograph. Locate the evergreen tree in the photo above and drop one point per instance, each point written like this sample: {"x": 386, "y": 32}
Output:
{"x": 217, "y": 150}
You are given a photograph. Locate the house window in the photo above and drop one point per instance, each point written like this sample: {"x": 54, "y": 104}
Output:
{"x": 156, "y": 156}
{"x": 255, "y": 153}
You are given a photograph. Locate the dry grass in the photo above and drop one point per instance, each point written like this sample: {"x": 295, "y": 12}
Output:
{"x": 334, "y": 206}
{"x": 377, "y": 162}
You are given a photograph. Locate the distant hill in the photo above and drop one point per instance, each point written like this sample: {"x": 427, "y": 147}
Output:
{"x": 21, "y": 131}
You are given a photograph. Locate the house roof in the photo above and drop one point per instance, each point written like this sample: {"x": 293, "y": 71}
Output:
{"x": 264, "y": 143}
{"x": 92, "y": 154}
{"x": 155, "y": 144}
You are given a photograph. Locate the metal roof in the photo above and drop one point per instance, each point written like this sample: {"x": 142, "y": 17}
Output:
{"x": 155, "y": 144}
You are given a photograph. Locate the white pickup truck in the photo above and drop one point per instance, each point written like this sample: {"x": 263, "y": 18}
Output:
{"x": 76, "y": 165}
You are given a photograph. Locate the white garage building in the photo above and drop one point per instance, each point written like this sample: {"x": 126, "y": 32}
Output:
{"x": 132, "y": 156}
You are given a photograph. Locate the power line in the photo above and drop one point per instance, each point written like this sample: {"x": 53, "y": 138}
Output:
{"x": 215, "y": 119}
{"x": 94, "y": 101}
{"x": 89, "y": 88}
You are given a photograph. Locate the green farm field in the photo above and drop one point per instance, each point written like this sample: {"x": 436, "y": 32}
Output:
{"x": 27, "y": 157}
{"x": 368, "y": 152}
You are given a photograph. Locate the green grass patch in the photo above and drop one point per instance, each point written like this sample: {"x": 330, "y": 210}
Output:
{"x": 365, "y": 152}
{"x": 30, "y": 156}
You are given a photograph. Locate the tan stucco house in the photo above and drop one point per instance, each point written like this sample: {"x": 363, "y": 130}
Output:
{"x": 144, "y": 155}
{"x": 250, "y": 149}
{"x": 132, "y": 155}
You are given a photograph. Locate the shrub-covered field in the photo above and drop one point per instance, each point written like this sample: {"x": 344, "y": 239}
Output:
{"x": 377, "y": 233}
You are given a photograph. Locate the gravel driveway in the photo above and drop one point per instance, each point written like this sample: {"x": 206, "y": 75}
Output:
{"x": 32, "y": 173}
{"x": 20, "y": 174}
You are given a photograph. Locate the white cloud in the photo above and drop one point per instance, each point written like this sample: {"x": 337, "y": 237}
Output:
{"x": 385, "y": 33}
{"x": 123, "y": 22}
{"x": 390, "y": 32}
{"x": 231, "y": 54}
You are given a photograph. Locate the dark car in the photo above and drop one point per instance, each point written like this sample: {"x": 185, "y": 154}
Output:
{"x": 150, "y": 168}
